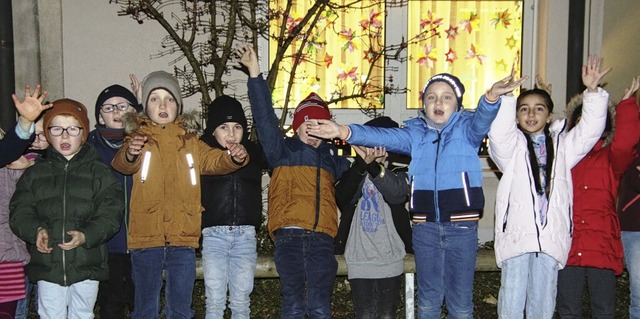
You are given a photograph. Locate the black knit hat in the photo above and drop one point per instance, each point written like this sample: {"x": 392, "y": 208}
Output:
{"x": 382, "y": 121}
{"x": 452, "y": 80}
{"x": 224, "y": 109}
{"x": 113, "y": 91}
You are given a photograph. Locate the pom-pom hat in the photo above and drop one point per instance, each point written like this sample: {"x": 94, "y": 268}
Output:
{"x": 311, "y": 108}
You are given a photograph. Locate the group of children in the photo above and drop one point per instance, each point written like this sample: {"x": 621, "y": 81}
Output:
{"x": 108, "y": 212}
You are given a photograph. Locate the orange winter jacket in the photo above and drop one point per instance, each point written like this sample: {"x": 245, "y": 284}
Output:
{"x": 165, "y": 207}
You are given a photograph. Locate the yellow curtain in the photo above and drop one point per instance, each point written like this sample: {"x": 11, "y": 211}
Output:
{"x": 477, "y": 41}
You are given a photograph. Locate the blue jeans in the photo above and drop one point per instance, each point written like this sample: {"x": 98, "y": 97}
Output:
{"x": 229, "y": 260}
{"x": 631, "y": 244}
{"x": 376, "y": 298}
{"x": 530, "y": 281}
{"x": 445, "y": 256}
{"x": 22, "y": 308}
{"x": 307, "y": 268}
{"x": 179, "y": 266}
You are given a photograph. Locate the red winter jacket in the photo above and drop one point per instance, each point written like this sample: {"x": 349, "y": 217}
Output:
{"x": 596, "y": 234}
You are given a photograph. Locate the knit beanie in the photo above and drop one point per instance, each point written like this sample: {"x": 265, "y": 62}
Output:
{"x": 311, "y": 108}
{"x": 452, "y": 80}
{"x": 116, "y": 91}
{"x": 161, "y": 80}
{"x": 224, "y": 109}
{"x": 67, "y": 107}
{"x": 383, "y": 121}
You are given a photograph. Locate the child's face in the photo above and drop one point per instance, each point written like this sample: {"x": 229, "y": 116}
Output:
{"x": 40, "y": 142}
{"x": 439, "y": 102}
{"x": 162, "y": 107}
{"x": 228, "y": 133}
{"x": 66, "y": 144}
{"x": 113, "y": 119}
{"x": 532, "y": 114}
{"x": 306, "y": 138}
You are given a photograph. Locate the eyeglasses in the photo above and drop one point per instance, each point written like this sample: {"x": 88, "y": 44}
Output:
{"x": 71, "y": 130}
{"x": 108, "y": 108}
{"x": 40, "y": 137}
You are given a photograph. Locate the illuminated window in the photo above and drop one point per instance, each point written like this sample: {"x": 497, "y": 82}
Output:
{"x": 478, "y": 41}
{"x": 337, "y": 59}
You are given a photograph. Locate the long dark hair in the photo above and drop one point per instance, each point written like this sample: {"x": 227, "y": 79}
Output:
{"x": 533, "y": 160}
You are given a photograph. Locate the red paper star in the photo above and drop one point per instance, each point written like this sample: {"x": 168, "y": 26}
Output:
{"x": 452, "y": 32}
{"x": 451, "y": 55}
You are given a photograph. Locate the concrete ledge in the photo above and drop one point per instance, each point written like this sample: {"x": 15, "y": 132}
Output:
{"x": 266, "y": 266}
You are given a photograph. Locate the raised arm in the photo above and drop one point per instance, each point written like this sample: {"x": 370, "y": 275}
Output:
{"x": 627, "y": 134}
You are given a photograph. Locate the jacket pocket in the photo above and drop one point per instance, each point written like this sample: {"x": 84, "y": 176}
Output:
{"x": 190, "y": 221}
{"x": 146, "y": 221}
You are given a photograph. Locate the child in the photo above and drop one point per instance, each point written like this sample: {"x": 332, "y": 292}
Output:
{"x": 629, "y": 215}
{"x": 67, "y": 206}
{"x": 372, "y": 198}
{"x": 303, "y": 218}
{"x": 117, "y": 292}
{"x": 18, "y": 139}
{"x": 596, "y": 249}
{"x": 534, "y": 197}
{"x": 165, "y": 212}
{"x": 446, "y": 185}
{"x": 232, "y": 215}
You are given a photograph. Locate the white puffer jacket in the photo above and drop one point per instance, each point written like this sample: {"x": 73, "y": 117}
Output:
{"x": 517, "y": 222}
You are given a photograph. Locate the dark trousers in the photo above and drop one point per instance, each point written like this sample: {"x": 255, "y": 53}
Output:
{"x": 8, "y": 309}
{"x": 602, "y": 292}
{"x": 376, "y": 298}
{"x": 115, "y": 294}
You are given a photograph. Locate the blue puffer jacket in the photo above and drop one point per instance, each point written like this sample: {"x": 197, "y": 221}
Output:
{"x": 445, "y": 170}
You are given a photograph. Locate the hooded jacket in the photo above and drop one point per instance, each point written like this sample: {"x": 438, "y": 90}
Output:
{"x": 301, "y": 191}
{"x": 445, "y": 171}
{"x": 60, "y": 195}
{"x": 166, "y": 199}
{"x": 596, "y": 233}
{"x": 517, "y": 222}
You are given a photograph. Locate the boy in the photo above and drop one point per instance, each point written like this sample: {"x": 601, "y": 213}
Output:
{"x": 303, "y": 218}
{"x": 166, "y": 162}
{"x": 67, "y": 206}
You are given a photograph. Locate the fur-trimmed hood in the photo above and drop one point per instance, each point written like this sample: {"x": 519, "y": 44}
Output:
{"x": 190, "y": 121}
{"x": 572, "y": 107}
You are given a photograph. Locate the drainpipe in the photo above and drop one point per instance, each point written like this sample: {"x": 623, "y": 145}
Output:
{"x": 7, "y": 71}
{"x": 575, "y": 49}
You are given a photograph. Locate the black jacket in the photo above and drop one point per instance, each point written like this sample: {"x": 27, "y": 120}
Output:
{"x": 12, "y": 146}
{"x": 236, "y": 198}
{"x": 349, "y": 191}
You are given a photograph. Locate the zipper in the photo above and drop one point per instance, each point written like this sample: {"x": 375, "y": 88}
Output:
{"x": 435, "y": 184}
{"x": 126, "y": 213}
{"x": 64, "y": 222}
{"x": 533, "y": 201}
{"x": 315, "y": 223}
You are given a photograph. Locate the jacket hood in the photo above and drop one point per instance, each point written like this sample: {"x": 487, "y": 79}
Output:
{"x": 190, "y": 121}
{"x": 576, "y": 101}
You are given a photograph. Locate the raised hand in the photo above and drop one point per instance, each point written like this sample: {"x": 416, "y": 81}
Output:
{"x": 42, "y": 241}
{"x": 505, "y": 86}
{"x": 136, "y": 144}
{"x": 249, "y": 58}
{"x": 136, "y": 87}
{"x": 540, "y": 84}
{"x": 77, "y": 239}
{"x": 327, "y": 129}
{"x": 635, "y": 85}
{"x": 31, "y": 107}
{"x": 591, "y": 74}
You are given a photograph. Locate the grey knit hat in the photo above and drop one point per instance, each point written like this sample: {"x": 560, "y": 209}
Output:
{"x": 161, "y": 80}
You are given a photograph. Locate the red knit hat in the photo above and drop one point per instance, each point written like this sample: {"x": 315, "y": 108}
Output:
{"x": 67, "y": 107}
{"x": 311, "y": 108}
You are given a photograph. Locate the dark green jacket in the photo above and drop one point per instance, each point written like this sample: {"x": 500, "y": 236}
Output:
{"x": 60, "y": 195}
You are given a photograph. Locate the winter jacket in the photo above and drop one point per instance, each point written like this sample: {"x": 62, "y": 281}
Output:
{"x": 301, "y": 191}
{"x": 628, "y": 205}
{"x": 235, "y": 198}
{"x": 518, "y": 229}
{"x": 12, "y": 248}
{"x": 596, "y": 233}
{"x": 445, "y": 170}
{"x": 166, "y": 201}
{"x": 12, "y": 146}
{"x": 60, "y": 195}
{"x": 107, "y": 150}
{"x": 394, "y": 187}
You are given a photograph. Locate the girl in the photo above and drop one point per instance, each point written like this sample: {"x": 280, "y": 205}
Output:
{"x": 533, "y": 206}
